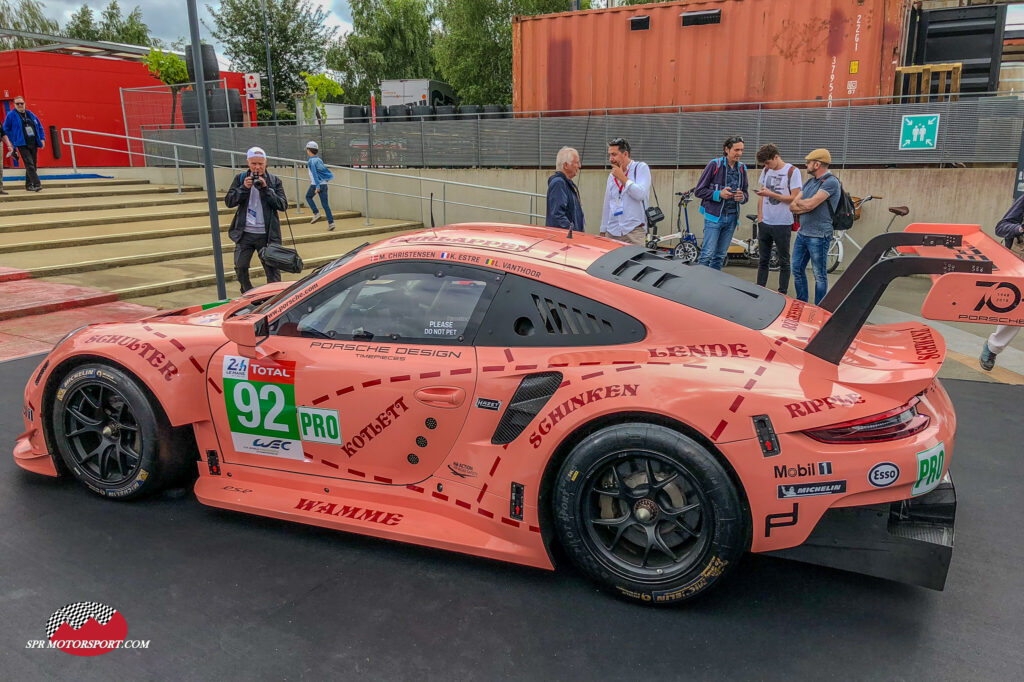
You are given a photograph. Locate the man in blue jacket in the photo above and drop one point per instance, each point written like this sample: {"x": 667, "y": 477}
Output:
{"x": 722, "y": 188}
{"x": 564, "y": 208}
{"x": 26, "y": 133}
{"x": 319, "y": 176}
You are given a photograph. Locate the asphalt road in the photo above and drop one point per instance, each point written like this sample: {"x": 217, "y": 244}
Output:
{"x": 229, "y": 597}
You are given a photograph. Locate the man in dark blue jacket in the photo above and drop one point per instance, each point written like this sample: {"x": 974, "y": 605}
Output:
{"x": 27, "y": 134}
{"x": 564, "y": 208}
{"x": 722, "y": 188}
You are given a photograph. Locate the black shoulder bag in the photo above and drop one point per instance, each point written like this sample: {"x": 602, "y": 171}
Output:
{"x": 281, "y": 257}
{"x": 654, "y": 213}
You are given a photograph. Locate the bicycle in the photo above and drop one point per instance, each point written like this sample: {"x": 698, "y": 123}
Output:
{"x": 687, "y": 250}
{"x": 835, "y": 249}
{"x": 751, "y": 247}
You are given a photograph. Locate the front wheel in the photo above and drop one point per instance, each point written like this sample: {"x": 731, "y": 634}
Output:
{"x": 835, "y": 253}
{"x": 686, "y": 251}
{"x": 648, "y": 513}
{"x": 110, "y": 435}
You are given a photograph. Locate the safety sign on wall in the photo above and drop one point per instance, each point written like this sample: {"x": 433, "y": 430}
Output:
{"x": 253, "y": 88}
{"x": 919, "y": 132}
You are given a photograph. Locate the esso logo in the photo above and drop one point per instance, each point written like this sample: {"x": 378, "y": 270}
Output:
{"x": 883, "y": 474}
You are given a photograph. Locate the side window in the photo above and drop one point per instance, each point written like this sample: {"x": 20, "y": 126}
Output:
{"x": 526, "y": 312}
{"x": 411, "y": 302}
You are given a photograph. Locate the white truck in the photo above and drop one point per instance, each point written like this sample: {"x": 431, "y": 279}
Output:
{"x": 415, "y": 91}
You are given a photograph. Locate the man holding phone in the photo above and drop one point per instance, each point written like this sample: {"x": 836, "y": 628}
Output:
{"x": 780, "y": 185}
{"x": 258, "y": 196}
{"x": 722, "y": 188}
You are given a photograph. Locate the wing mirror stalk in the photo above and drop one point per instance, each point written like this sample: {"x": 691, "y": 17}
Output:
{"x": 247, "y": 332}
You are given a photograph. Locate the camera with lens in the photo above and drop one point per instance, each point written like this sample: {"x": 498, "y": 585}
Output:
{"x": 257, "y": 180}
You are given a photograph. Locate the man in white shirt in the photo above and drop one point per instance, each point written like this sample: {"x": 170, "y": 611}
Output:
{"x": 780, "y": 185}
{"x": 624, "y": 215}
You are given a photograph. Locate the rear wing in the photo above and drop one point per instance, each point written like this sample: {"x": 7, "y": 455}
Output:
{"x": 975, "y": 279}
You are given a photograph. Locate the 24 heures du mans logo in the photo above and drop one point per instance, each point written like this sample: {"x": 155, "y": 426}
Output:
{"x": 87, "y": 628}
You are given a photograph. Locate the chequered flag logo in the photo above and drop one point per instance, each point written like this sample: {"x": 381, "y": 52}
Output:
{"x": 77, "y": 614}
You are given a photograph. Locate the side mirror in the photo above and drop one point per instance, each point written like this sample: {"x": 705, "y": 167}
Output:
{"x": 247, "y": 331}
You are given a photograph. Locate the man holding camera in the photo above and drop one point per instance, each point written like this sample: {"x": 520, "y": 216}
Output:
{"x": 624, "y": 217}
{"x": 258, "y": 196}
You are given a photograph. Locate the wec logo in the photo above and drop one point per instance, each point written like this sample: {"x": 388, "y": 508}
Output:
{"x": 1003, "y": 297}
{"x": 275, "y": 444}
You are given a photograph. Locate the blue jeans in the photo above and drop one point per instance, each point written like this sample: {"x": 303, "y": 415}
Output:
{"x": 310, "y": 193}
{"x": 717, "y": 237}
{"x": 814, "y": 249}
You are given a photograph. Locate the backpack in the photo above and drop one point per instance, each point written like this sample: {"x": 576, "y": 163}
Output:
{"x": 843, "y": 215}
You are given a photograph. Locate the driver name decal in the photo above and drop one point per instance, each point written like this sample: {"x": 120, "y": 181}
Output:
{"x": 260, "y": 399}
{"x": 805, "y": 408}
{"x": 703, "y": 350}
{"x": 576, "y": 402}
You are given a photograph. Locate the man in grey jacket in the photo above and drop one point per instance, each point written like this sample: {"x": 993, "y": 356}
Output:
{"x": 258, "y": 196}
{"x": 1011, "y": 229}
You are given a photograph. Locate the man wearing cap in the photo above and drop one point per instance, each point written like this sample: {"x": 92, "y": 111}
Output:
{"x": 319, "y": 176}
{"x": 258, "y": 196}
{"x": 815, "y": 235}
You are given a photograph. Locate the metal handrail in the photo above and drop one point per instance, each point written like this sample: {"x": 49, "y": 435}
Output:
{"x": 67, "y": 138}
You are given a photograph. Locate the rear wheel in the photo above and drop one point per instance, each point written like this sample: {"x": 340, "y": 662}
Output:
{"x": 835, "y": 253}
{"x": 648, "y": 513}
{"x": 686, "y": 251}
{"x": 110, "y": 435}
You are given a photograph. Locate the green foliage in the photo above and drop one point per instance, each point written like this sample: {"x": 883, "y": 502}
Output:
{"x": 24, "y": 15}
{"x": 389, "y": 39}
{"x": 321, "y": 87}
{"x": 474, "y": 48}
{"x": 112, "y": 27}
{"x": 298, "y": 40}
{"x": 168, "y": 67}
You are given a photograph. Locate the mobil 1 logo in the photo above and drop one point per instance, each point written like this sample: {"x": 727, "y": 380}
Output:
{"x": 802, "y": 470}
{"x": 929, "y": 469}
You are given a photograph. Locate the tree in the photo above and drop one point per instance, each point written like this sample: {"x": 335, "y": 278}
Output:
{"x": 389, "y": 39}
{"x": 82, "y": 25}
{"x": 116, "y": 28}
{"x": 474, "y": 48}
{"x": 24, "y": 15}
{"x": 320, "y": 87}
{"x": 298, "y": 40}
{"x": 171, "y": 70}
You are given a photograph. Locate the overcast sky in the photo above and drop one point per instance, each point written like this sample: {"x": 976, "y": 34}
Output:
{"x": 169, "y": 20}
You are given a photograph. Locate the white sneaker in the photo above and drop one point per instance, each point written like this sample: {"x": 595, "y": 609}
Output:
{"x": 315, "y": 218}
{"x": 330, "y": 227}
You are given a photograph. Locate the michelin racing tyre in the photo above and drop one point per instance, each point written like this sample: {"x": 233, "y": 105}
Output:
{"x": 648, "y": 513}
{"x": 109, "y": 434}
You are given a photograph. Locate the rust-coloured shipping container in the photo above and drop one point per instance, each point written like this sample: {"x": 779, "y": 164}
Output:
{"x": 698, "y": 52}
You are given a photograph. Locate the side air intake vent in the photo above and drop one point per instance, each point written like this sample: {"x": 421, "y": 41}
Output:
{"x": 533, "y": 393}
{"x": 560, "y": 318}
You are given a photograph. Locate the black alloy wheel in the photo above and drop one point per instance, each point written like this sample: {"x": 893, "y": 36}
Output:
{"x": 102, "y": 432}
{"x": 646, "y": 516}
{"x": 648, "y": 513}
{"x": 113, "y": 437}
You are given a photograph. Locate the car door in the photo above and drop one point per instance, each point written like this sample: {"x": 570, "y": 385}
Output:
{"x": 369, "y": 378}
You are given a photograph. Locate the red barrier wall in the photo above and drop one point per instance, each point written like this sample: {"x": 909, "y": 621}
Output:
{"x": 80, "y": 92}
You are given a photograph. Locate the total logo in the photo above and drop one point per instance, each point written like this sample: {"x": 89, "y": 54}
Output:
{"x": 803, "y": 470}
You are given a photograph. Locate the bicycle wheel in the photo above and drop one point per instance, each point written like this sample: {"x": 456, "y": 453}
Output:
{"x": 835, "y": 253}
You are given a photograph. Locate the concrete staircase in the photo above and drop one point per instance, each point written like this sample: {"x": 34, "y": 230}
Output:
{"x": 82, "y": 244}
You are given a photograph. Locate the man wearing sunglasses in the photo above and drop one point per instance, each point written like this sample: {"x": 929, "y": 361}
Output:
{"x": 624, "y": 217}
{"x": 722, "y": 188}
{"x": 26, "y": 133}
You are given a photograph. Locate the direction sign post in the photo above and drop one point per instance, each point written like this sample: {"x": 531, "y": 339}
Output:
{"x": 919, "y": 132}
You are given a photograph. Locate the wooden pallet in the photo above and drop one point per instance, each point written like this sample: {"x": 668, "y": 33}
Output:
{"x": 920, "y": 79}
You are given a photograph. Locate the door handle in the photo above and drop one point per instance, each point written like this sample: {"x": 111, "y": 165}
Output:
{"x": 441, "y": 396}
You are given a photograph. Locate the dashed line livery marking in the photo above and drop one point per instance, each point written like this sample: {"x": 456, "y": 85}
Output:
{"x": 360, "y": 474}
{"x": 381, "y": 479}
{"x": 321, "y": 399}
{"x": 403, "y": 377}
{"x": 718, "y": 429}
{"x": 514, "y": 524}
{"x": 429, "y": 375}
{"x": 484, "y": 512}
{"x": 195, "y": 363}
{"x": 343, "y": 391}
{"x": 730, "y": 369}
{"x": 481, "y": 495}
{"x": 214, "y": 384}
{"x": 177, "y": 344}
{"x": 415, "y": 488}
{"x": 760, "y": 370}
{"x": 749, "y": 385}
{"x": 464, "y": 505}
{"x": 508, "y": 355}
{"x": 522, "y": 367}
{"x": 371, "y": 382}
{"x": 736, "y": 403}
{"x": 594, "y": 374}
{"x": 467, "y": 370}
{"x": 440, "y": 496}
{"x": 494, "y": 467}
{"x": 626, "y": 369}
{"x": 493, "y": 368}
{"x": 330, "y": 464}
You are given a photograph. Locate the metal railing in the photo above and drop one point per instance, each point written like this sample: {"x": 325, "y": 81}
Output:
{"x": 971, "y": 130}
{"x": 176, "y": 157}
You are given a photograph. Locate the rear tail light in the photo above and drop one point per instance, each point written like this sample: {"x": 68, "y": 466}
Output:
{"x": 901, "y": 422}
